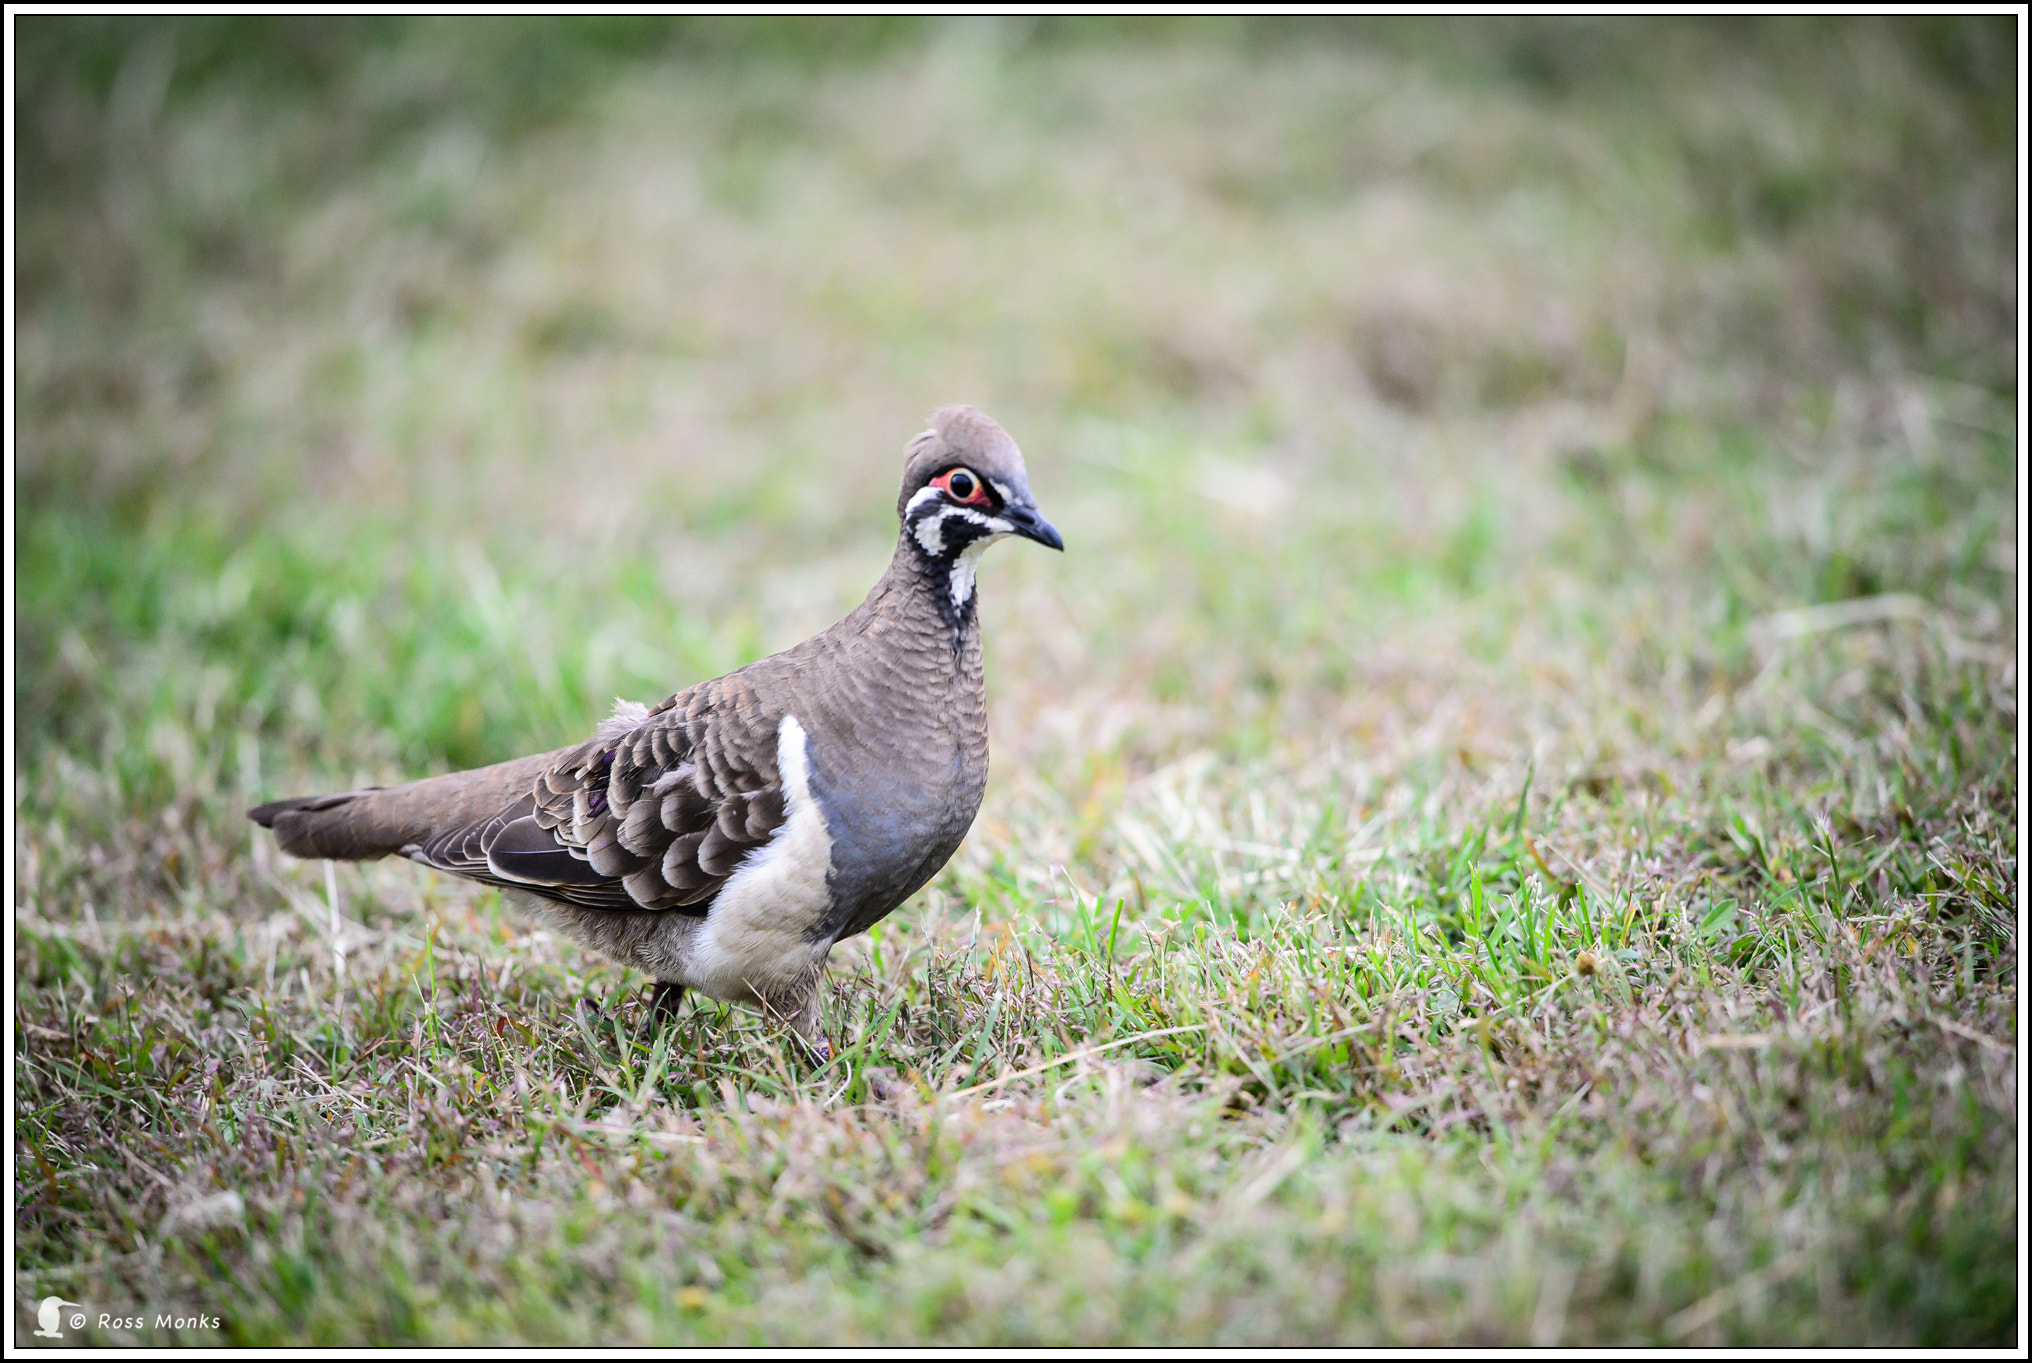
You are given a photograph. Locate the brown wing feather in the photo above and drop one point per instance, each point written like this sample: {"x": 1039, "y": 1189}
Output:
{"x": 656, "y": 817}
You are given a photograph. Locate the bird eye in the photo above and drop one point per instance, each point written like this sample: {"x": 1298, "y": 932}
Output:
{"x": 964, "y": 487}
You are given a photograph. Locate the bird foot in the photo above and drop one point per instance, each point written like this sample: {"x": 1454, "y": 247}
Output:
{"x": 816, "y": 1047}
{"x": 803, "y": 1026}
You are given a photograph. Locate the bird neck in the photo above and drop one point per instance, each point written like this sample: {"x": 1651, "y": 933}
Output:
{"x": 939, "y": 558}
{"x": 930, "y": 595}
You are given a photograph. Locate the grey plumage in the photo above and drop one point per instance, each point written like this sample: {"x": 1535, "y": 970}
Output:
{"x": 726, "y": 838}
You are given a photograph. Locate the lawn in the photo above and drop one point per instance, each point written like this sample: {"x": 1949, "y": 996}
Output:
{"x": 1504, "y": 821}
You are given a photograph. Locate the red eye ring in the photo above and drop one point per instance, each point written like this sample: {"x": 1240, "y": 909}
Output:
{"x": 964, "y": 486}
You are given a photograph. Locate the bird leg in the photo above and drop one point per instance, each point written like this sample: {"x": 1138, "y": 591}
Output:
{"x": 663, "y": 1002}
{"x": 802, "y": 1019}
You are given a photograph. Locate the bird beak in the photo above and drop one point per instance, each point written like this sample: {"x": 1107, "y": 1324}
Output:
{"x": 1032, "y": 526}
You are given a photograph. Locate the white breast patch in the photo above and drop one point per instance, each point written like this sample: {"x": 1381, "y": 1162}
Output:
{"x": 754, "y": 944}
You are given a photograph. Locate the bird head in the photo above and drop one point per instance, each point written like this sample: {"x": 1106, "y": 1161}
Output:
{"x": 964, "y": 487}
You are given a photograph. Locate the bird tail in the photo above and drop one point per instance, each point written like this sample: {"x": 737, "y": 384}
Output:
{"x": 361, "y": 825}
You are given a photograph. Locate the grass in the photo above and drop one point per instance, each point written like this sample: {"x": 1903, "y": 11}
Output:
{"x": 1504, "y": 826}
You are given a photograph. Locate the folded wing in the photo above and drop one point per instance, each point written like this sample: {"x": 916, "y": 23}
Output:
{"x": 650, "y": 814}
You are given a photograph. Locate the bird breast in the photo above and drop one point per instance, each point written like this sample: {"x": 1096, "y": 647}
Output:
{"x": 900, "y": 793}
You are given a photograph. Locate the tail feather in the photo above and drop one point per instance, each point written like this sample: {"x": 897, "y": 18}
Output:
{"x": 361, "y": 825}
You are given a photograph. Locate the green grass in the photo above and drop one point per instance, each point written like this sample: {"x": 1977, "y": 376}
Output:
{"x": 1504, "y": 821}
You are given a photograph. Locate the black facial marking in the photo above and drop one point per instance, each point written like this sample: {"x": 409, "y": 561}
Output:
{"x": 958, "y": 530}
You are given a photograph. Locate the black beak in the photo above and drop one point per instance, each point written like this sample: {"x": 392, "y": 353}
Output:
{"x": 1032, "y": 526}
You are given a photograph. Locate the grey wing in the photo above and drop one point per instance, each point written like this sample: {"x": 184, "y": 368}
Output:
{"x": 655, "y": 816}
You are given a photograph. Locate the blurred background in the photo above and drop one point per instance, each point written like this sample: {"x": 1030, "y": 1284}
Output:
{"x": 1424, "y": 401}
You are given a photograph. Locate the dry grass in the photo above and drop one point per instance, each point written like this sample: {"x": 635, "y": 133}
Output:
{"x": 1504, "y": 825}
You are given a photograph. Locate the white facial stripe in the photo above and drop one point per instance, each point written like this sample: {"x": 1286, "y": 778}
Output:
{"x": 1003, "y": 490}
{"x": 922, "y": 495}
{"x": 994, "y": 525}
{"x": 930, "y": 531}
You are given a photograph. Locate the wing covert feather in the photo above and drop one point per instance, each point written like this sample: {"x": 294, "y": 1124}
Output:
{"x": 657, "y": 816}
